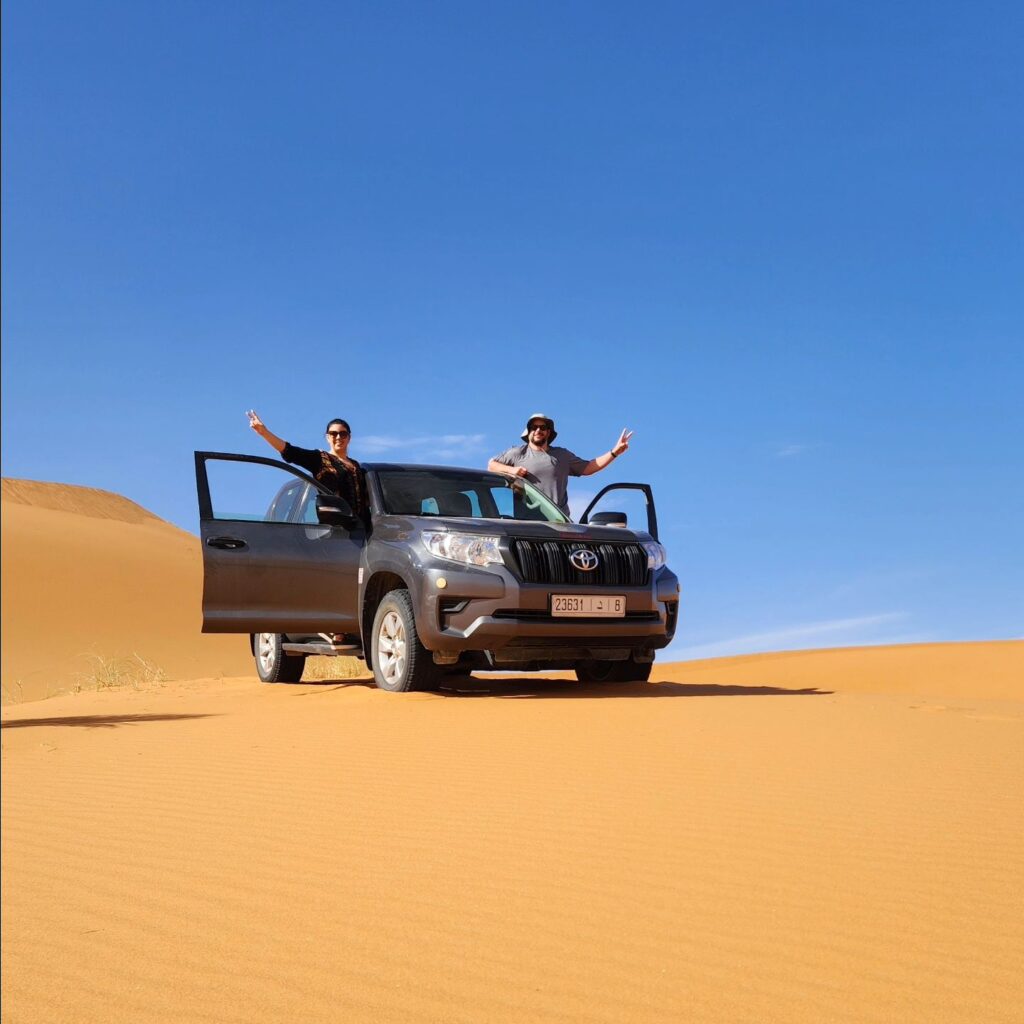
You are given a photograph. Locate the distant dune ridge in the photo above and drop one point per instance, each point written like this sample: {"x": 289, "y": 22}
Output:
{"x": 792, "y": 838}
{"x": 83, "y": 501}
{"x": 94, "y": 586}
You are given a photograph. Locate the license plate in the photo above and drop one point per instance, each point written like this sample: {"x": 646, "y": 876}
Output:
{"x": 588, "y": 606}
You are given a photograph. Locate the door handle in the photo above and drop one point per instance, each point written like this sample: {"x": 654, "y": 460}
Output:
{"x": 230, "y": 543}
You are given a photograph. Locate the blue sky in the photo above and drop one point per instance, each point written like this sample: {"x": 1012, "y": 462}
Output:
{"x": 781, "y": 241}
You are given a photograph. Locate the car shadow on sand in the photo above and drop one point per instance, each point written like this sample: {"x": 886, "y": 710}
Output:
{"x": 95, "y": 721}
{"x": 526, "y": 688}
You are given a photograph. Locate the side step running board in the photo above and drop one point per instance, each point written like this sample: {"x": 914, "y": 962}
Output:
{"x": 323, "y": 649}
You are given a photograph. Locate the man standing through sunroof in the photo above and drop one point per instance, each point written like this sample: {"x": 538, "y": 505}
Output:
{"x": 549, "y": 468}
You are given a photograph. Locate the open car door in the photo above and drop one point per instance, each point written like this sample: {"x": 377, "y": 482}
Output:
{"x": 269, "y": 564}
{"x": 645, "y": 489}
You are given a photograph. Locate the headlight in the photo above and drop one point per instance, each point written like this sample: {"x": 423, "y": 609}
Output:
{"x": 655, "y": 554}
{"x": 469, "y": 548}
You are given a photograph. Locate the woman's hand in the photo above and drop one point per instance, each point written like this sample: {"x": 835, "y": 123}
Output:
{"x": 258, "y": 425}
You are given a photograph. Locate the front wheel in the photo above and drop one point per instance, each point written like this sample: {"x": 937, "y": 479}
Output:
{"x": 400, "y": 661}
{"x": 272, "y": 664}
{"x": 613, "y": 671}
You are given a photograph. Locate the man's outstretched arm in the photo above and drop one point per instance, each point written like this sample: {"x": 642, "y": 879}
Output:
{"x": 604, "y": 461}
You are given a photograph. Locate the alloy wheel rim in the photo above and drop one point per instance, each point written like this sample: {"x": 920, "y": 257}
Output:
{"x": 265, "y": 650}
{"x": 391, "y": 647}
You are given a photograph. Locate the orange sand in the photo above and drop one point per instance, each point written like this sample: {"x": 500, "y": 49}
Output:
{"x": 92, "y": 583}
{"x": 822, "y": 836}
{"x": 993, "y": 670}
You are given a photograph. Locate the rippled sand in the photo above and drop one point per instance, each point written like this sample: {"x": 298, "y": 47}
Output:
{"x": 528, "y": 850}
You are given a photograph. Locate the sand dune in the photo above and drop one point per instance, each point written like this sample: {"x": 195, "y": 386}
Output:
{"x": 83, "y": 501}
{"x": 528, "y": 851}
{"x": 95, "y": 587}
{"x": 803, "y": 837}
{"x": 993, "y": 670}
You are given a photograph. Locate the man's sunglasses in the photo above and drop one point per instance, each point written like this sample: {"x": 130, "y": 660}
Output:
{"x": 338, "y": 433}
{"x": 539, "y": 426}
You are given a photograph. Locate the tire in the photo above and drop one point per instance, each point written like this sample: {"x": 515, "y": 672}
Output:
{"x": 613, "y": 671}
{"x": 272, "y": 664}
{"x": 400, "y": 661}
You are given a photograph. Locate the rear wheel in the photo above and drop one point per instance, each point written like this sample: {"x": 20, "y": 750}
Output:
{"x": 272, "y": 664}
{"x": 613, "y": 671}
{"x": 400, "y": 661}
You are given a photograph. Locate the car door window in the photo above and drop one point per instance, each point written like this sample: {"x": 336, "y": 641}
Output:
{"x": 282, "y": 508}
{"x": 307, "y": 507}
{"x": 630, "y": 503}
{"x": 252, "y": 492}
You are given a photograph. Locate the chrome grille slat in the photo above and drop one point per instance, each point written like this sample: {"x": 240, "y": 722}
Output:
{"x": 547, "y": 561}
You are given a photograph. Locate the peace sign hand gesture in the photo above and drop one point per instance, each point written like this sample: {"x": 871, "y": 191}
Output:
{"x": 623, "y": 442}
{"x": 254, "y": 421}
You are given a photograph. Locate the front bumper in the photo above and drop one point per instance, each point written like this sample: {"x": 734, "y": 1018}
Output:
{"x": 492, "y": 611}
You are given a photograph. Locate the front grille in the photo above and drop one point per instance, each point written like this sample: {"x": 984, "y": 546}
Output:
{"x": 547, "y": 561}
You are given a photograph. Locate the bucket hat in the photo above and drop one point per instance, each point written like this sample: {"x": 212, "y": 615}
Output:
{"x": 552, "y": 433}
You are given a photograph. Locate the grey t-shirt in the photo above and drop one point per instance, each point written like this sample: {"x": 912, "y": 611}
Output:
{"x": 549, "y": 471}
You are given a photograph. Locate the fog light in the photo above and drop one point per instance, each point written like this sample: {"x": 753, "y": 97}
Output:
{"x": 441, "y": 583}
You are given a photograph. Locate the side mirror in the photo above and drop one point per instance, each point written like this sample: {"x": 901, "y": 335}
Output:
{"x": 608, "y": 519}
{"x": 333, "y": 510}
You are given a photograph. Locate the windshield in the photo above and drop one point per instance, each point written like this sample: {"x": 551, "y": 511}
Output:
{"x": 464, "y": 495}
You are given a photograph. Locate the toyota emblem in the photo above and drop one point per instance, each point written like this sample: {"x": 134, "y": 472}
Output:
{"x": 584, "y": 559}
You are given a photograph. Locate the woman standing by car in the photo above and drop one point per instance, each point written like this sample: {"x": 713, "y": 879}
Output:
{"x": 335, "y": 469}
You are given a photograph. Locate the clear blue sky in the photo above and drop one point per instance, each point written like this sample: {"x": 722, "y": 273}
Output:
{"x": 781, "y": 241}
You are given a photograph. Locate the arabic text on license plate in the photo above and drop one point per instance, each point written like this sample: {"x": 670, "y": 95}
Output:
{"x": 589, "y": 605}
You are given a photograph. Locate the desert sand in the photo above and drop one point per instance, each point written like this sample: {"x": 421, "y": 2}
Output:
{"x": 97, "y": 590}
{"x": 801, "y": 837}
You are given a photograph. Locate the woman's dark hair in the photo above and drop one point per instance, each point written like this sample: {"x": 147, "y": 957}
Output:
{"x": 341, "y": 423}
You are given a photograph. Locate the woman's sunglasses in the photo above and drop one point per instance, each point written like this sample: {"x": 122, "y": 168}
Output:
{"x": 338, "y": 433}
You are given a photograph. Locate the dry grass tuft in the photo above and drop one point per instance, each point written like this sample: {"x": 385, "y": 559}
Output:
{"x": 13, "y": 694}
{"x": 114, "y": 673}
{"x": 334, "y": 668}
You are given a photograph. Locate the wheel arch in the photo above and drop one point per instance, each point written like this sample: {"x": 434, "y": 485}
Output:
{"x": 377, "y": 586}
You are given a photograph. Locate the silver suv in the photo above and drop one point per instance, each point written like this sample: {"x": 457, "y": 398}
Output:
{"x": 453, "y": 570}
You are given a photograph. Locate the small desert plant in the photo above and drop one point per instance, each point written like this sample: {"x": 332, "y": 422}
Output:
{"x": 12, "y": 697}
{"x": 111, "y": 673}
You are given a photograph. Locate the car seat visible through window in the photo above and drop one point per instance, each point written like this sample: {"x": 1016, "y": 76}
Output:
{"x": 455, "y": 504}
